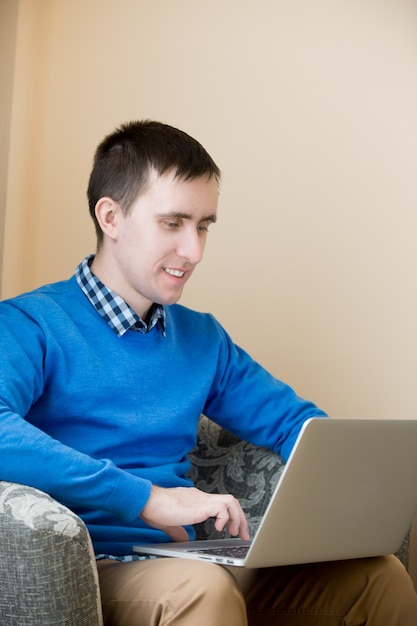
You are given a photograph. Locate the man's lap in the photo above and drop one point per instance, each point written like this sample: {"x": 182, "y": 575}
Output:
{"x": 335, "y": 593}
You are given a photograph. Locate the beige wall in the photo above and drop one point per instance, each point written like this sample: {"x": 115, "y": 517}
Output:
{"x": 8, "y": 27}
{"x": 310, "y": 110}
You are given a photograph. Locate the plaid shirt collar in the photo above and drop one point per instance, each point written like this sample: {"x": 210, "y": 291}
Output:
{"x": 112, "y": 308}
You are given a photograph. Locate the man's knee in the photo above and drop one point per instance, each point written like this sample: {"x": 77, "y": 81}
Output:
{"x": 389, "y": 590}
{"x": 395, "y": 580}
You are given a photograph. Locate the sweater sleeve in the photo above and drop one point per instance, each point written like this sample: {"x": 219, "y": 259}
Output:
{"x": 30, "y": 456}
{"x": 248, "y": 401}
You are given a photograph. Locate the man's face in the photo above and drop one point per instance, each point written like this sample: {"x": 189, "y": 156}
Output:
{"x": 152, "y": 251}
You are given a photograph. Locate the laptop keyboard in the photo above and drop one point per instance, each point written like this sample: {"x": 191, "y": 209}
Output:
{"x": 236, "y": 552}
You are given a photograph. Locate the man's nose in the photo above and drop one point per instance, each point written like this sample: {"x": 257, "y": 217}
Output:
{"x": 191, "y": 246}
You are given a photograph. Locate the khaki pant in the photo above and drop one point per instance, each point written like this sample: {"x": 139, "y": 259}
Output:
{"x": 375, "y": 592}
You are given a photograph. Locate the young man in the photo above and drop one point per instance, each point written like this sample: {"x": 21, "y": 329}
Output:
{"x": 103, "y": 379}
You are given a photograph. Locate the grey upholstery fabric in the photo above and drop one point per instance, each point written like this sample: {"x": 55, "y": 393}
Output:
{"x": 222, "y": 463}
{"x": 47, "y": 566}
{"x": 48, "y": 575}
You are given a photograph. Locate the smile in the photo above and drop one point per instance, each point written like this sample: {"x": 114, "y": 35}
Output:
{"x": 172, "y": 272}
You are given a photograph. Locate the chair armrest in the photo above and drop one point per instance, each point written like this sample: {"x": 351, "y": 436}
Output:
{"x": 48, "y": 573}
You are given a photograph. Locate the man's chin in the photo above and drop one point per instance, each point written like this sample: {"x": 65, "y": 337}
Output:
{"x": 171, "y": 299}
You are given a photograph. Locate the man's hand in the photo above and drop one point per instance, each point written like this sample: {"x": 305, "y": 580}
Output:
{"x": 171, "y": 509}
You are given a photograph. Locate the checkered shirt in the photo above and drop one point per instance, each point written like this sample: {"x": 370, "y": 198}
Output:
{"x": 112, "y": 308}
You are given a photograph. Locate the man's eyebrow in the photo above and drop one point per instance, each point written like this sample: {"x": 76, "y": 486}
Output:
{"x": 210, "y": 218}
{"x": 187, "y": 216}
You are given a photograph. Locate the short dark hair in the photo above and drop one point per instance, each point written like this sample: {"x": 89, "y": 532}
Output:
{"x": 124, "y": 159}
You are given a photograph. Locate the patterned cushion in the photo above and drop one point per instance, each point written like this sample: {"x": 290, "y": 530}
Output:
{"x": 223, "y": 463}
{"x": 47, "y": 566}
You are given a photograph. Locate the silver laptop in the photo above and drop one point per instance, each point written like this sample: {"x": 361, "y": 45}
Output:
{"x": 348, "y": 490}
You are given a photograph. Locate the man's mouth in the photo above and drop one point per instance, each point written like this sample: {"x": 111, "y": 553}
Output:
{"x": 173, "y": 272}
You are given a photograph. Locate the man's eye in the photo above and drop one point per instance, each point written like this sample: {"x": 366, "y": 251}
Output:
{"x": 171, "y": 224}
{"x": 203, "y": 228}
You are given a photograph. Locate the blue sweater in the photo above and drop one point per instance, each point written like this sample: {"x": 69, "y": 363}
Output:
{"x": 94, "y": 419}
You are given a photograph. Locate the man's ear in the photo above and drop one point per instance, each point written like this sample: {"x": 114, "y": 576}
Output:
{"x": 107, "y": 213}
